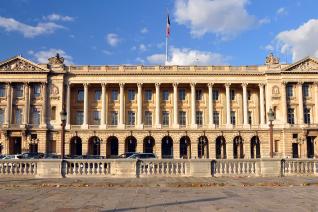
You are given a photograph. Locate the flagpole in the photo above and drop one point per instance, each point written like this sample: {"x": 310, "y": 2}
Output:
{"x": 166, "y": 50}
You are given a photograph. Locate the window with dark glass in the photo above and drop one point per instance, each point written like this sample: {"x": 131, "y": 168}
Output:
{"x": 165, "y": 95}
{"x": 233, "y": 120}
{"x": 307, "y": 115}
{"x": 18, "y": 89}
{"x": 215, "y": 94}
{"x": 36, "y": 90}
{"x": 289, "y": 90}
{"x": 80, "y": 95}
{"x": 148, "y": 118}
{"x": 216, "y": 118}
{"x": 131, "y": 118}
{"x": 18, "y": 116}
{"x": 249, "y": 95}
{"x": 35, "y": 116}
{"x": 96, "y": 116}
{"x": 199, "y": 118}
{"x": 79, "y": 117}
{"x": 98, "y": 95}
{"x": 165, "y": 118}
{"x": 114, "y": 95}
{"x": 182, "y": 94}
{"x": 131, "y": 94}
{"x": 1, "y": 116}
{"x": 306, "y": 90}
{"x": 232, "y": 94}
{"x": 53, "y": 113}
{"x": 198, "y": 95}
{"x": 148, "y": 95}
{"x": 182, "y": 118}
{"x": 2, "y": 90}
{"x": 249, "y": 117}
{"x": 290, "y": 116}
{"x": 114, "y": 118}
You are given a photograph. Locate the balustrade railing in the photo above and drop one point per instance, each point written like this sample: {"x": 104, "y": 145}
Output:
{"x": 293, "y": 167}
{"x": 163, "y": 168}
{"x": 239, "y": 167}
{"x": 18, "y": 167}
{"x": 87, "y": 168}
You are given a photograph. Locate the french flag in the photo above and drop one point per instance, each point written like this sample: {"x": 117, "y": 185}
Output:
{"x": 168, "y": 27}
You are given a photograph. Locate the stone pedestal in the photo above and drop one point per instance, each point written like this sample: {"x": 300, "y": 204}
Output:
{"x": 124, "y": 168}
{"x": 49, "y": 169}
{"x": 270, "y": 167}
{"x": 200, "y": 168}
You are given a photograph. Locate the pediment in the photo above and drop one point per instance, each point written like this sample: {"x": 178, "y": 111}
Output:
{"x": 20, "y": 65}
{"x": 306, "y": 65}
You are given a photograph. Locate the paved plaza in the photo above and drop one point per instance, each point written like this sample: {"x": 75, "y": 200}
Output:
{"x": 169, "y": 194}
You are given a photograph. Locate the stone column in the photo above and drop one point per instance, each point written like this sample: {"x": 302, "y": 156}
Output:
{"x": 300, "y": 103}
{"x": 245, "y": 105}
{"x": 210, "y": 98}
{"x": 193, "y": 109}
{"x": 284, "y": 103}
{"x": 139, "y": 103}
{"x": 262, "y": 104}
{"x": 9, "y": 105}
{"x": 103, "y": 112}
{"x": 122, "y": 105}
{"x": 175, "y": 105}
{"x": 68, "y": 106}
{"x": 27, "y": 103}
{"x": 228, "y": 105}
{"x": 316, "y": 102}
{"x": 44, "y": 109}
{"x": 158, "y": 125}
{"x": 85, "y": 122}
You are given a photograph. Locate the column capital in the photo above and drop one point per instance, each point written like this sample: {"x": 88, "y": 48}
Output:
{"x": 175, "y": 84}
{"x": 85, "y": 84}
{"x": 26, "y": 83}
{"x": 210, "y": 84}
{"x": 315, "y": 83}
{"x": 103, "y": 84}
{"x": 227, "y": 84}
{"x": 244, "y": 84}
{"x": 193, "y": 84}
{"x": 261, "y": 85}
{"x": 121, "y": 84}
{"x": 157, "y": 84}
{"x": 284, "y": 82}
{"x": 300, "y": 82}
{"x": 139, "y": 85}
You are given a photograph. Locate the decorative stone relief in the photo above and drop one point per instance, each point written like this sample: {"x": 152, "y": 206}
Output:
{"x": 56, "y": 60}
{"x": 20, "y": 66}
{"x": 271, "y": 59}
{"x": 54, "y": 92}
{"x": 306, "y": 66}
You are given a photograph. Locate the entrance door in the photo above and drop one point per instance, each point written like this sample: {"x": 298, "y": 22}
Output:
{"x": 310, "y": 147}
{"x": 15, "y": 145}
{"x": 295, "y": 150}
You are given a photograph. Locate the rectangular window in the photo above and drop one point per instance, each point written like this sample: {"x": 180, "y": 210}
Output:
{"x": 305, "y": 90}
{"x": 233, "y": 121}
{"x": 232, "y": 94}
{"x": 165, "y": 95}
{"x": 148, "y": 95}
{"x": 290, "y": 116}
{"x": 114, "y": 118}
{"x": 307, "y": 116}
{"x": 199, "y": 118}
{"x": 182, "y": 118}
{"x": 18, "y": 90}
{"x": 18, "y": 116}
{"x": 182, "y": 94}
{"x": 131, "y": 118}
{"x": 198, "y": 95}
{"x": 249, "y": 117}
{"x": 80, "y": 95}
{"x": 36, "y": 90}
{"x": 2, "y": 90}
{"x": 131, "y": 94}
{"x": 114, "y": 95}
{"x": 52, "y": 146}
{"x": 216, "y": 117}
{"x": 96, "y": 116}
{"x": 98, "y": 95}
{"x": 79, "y": 117}
{"x": 165, "y": 118}
{"x": 53, "y": 113}
{"x": 289, "y": 90}
{"x": 249, "y": 95}
{"x": 1, "y": 116}
{"x": 148, "y": 118}
{"x": 35, "y": 116}
{"x": 215, "y": 95}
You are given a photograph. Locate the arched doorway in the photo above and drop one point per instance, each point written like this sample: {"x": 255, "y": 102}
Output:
{"x": 130, "y": 144}
{"x": 167, "y": 147}
{"x": 310, "y": 147}
{"x": 149, "y": 143}
{"x": 220, "y": 148}
{"x": 112, "y": 147}
{"x": 185, "y": 147}
{"x": 76, "y": 146}
{"x": 238, "y": 150}
{"x": 94, "y": 146}
{"x": 203, "y": 147}
{"x": 255, "y": 147}
{"x": 15, "y": 146}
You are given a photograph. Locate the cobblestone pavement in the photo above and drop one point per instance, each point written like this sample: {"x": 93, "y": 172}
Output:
{"x": 160, "y": 194}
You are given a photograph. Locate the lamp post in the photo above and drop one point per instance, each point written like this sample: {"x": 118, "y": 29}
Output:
{"x": 271, "y": 117}
{"x": 63, "y": 115}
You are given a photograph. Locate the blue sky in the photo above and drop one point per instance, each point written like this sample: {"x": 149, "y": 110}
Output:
{"x": 235, "y": 32}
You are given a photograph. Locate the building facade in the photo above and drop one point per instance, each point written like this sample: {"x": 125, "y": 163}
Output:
{"x": 173, "y": 111}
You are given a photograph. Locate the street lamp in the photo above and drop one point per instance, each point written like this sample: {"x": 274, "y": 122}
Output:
{"x": 63, "y": 115}
{"x": 271, "y": 118}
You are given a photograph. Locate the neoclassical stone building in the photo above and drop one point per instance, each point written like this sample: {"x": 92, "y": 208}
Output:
{"x": 173, "y": 111}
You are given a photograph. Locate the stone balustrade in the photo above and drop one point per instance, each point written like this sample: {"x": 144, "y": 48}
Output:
{"x": 125, "y": 168}
{"x": 163, "y": 168}
{"x": 295, "y": 167}
{"x": 227, "y": 167}
{"x": 17, "y": 168}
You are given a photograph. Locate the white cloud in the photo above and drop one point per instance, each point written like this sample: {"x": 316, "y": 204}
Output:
{"x": 300, "y": 42}
{"x": 12, "y": 25}
{"x": 264, "y": 21}
{"x": 58, "y": 17}
{"x": 269, "y": 47}
{"x": 160, "y": 45}
{"x": 140, "y": 60}
{"x": 281, "y": 11}
{"x": 144, "y": 30}
{"x": 112, "y": 39}
{"x": 142, "y": 47}
{"x": 188, "y": 57}
{"x": 44, "y": 55}
{"x": 225, "y": 18}
{"x": 107, "y": 52}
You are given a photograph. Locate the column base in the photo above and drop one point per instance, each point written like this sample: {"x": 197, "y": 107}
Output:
{"x": 84, "y": 126}
{"x": 121, "y": 126}
{"x": 103, "y": 126}
{"x": 246, "y": 126}
{"x": 158, "y": 126}
{"x": 229, "y": 126}
{"x": 177, "y": 126}
{"x": 140, "y": 126}
{"x": 211, "y": 126}
{"x": 194, "y": 126}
